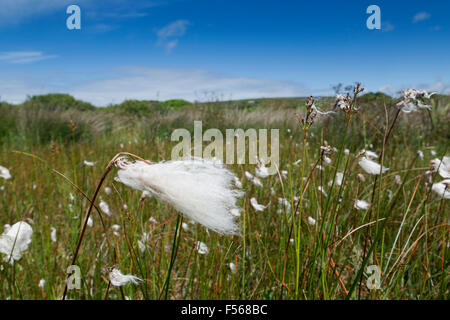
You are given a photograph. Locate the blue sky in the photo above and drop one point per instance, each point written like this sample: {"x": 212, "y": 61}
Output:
{"x": 208, "y": 49}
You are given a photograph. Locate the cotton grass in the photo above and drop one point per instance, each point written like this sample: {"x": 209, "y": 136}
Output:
{"x": 370, "y": 166}
{"x": 15, "y": 241}
{"x": 119, "y": 279}
{"x": 4, "y": 173}
{"x": 201, "y": 190}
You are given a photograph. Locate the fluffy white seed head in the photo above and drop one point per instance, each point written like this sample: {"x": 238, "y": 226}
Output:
{"x": 89, "y": 163}
{"x": 200, "y": 189}
{"x": 311, "y": 221}
{"x": 118, "y": 279}
{"x": 232, "y": 268}
{"x": 53, "y": 234}
{"x": 362, "y": 205}
{"x": 256, "y": 205}
{"x": 262, "y": 171}
{"x": 370, "y": 166}
{"x": 202, "y": 248}
{"x": 15, "y": 241}
{"x": 443, "y": 167}
{"x": 442, "y": 188}
{"x": 4, "y": 173}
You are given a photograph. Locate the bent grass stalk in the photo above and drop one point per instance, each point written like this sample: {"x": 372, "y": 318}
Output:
{"x": 91, "y": 205}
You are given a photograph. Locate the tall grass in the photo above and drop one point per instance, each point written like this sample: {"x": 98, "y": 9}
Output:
{"x": 404, "y": 232}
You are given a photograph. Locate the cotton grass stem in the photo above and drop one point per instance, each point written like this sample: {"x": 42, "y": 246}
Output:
{"x": 91, "y": 205}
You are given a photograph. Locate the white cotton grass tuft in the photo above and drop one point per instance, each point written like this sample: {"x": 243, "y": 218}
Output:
{"x": 311, "y": 221}
{"x": 202, "y": 248}
{"x": 237, "y": 182}
{"x": 118, "y": 279}
{"x": 442, "y": 188}
{"x": 201, "y": 190}
{"x": 420, "y": 154}
{"x": 108, "y": 190}
{"x": 104, "y": 207}
{"x": 233, "y": 268}
{"x": 262, "y": 171}
{"x": 53, "y": 234}
{"x": 4, "y": 173}
{"x": 362, "y": 205}
{"x": 248, "y": 175}
{"x": 443, "y": 167}
{"x": 89, "y": 163}
{"x": 15, "y": 241}
{"x": 236, "y": 212}
{"x": 370, "y": 154}
{"x": 338, "y": 180}
{"x": 257, "y": 182}
{"x": 256, "y": 205}
{"x": 285, "y": 203}
{"x": 323, "y": 191}
{"x": 370, "y": 166}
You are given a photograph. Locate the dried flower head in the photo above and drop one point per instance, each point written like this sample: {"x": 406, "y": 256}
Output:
{"x": 347, "y": 102}
{"x": 413, "y": 99}
{"x": 311, "y": 113}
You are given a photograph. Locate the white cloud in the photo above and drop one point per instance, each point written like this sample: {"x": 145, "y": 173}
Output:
{"x": 387, "y": 26}
{"x": 169, "y": 34}
{"x": 24, "y": 56}
{"x": 171, "y": 45}
{"x": 147, "y": 83}
{"x": 161, "y": 84}
{"x": 174, "y": 29}
{"x": 15, "y": 11}
{"x": 421, "y": 16}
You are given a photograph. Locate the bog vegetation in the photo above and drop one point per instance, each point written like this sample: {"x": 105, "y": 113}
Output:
{"x": 333, "y": 224}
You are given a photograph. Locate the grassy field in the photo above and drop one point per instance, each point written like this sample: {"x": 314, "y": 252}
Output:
{"x": 316, "y": 248}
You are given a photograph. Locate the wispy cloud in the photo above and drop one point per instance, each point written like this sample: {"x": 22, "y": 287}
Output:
{"x": 169, "y": 34}
{"x": 148, "y": 83}
{"x": 387, "y": 26}
{"x": 421, "y": 16}
{"x": 17, "y": 11}
{"x": 24, "y": 56}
